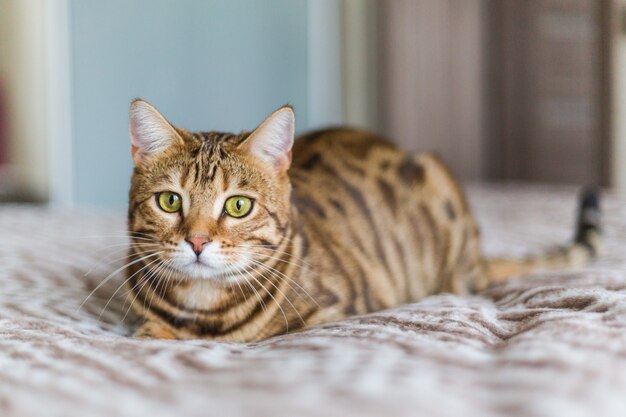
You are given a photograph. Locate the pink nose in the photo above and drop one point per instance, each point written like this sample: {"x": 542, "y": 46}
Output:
{"x": 197, "y": 243}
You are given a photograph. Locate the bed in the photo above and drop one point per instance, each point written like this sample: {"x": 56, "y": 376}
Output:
{"x": 551, "y": 343}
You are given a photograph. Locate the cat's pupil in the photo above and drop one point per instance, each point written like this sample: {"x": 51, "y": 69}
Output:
{"x": 239, "y": 204}
{"x": 172, "y": 199}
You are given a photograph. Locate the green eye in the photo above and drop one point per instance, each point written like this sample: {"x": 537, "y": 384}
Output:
{"x": 238, "y": 206}
{"x": 169, "y": 202}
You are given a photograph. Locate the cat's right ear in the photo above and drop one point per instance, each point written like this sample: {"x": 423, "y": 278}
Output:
{"x": 150, "y": 133}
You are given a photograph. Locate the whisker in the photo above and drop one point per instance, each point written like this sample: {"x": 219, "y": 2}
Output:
{"x": 242, "y": 252}
{"x": 155, "y": 276}
{"x": 278, "y": 259}
{"x": 166, "y": 287}
{"x": 283, "y": 294}
{"x": 161, "y": 280}
{"x": 121, "y": 236}
{"x": 293, "y": 259}
{"x": 124, "y": 283}
{"x": 146, "y": 280}
{"x": 265, "y": 258}
{"x": 125, "y": 245}
{"x": 114, "y": 273}
{"x": 136, "y": 233}
{"x": 232, "y": 276}
{"x": 256, "y": 293}
{"x": 277, "y": 251}
{"x": 127, "y": 256}
{"x": 272, "y": 297}
{"x": 287, "y": 278}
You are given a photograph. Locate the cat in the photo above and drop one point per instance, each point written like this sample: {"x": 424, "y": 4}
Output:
{"x": 239, "y": 237}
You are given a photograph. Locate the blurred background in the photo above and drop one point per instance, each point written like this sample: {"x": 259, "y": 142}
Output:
{"x": 531, "y": 90}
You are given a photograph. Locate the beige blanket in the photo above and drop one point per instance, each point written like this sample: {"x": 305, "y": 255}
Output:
{"x": 549, "y": 344}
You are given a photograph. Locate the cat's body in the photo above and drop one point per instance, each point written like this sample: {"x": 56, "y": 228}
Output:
{"x": 354, "y": 225}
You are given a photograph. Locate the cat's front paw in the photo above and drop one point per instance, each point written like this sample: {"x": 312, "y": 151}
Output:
{"x": 154, "y": 330}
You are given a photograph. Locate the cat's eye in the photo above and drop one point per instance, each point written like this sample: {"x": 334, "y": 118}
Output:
{"x": 238, "y": 206}
{"x": 169, "y": 202}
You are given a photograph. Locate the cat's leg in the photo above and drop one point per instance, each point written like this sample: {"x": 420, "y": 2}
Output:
{"x": 154, "y": 330}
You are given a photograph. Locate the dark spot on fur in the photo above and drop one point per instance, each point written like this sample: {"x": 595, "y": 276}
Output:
{"x": 337, "y": 205}
{"x": 384, "y": 165}
{"x": 268, "y": 244}
{"x": 311, "y": 162}
{"x": 411, "y": 172}
{"x": 305, "y": 244}
{"x": 449, "y": 207}
{"x": 307, "y": 204}
{"x": 357, "y": 170}
{"x": 389, "y": 195}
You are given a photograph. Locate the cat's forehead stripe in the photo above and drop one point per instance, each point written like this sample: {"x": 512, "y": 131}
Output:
{"x": 208, "y": 155}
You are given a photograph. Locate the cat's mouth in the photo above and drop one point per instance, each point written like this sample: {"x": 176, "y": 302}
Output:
{"x": 201, "y": 262}
{"x": 207, "y": 269}
{"x": 191, "y": 269}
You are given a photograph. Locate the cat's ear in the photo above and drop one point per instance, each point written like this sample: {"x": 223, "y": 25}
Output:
{"x": 150, "y": 133}
{"x": 271, "y": 142}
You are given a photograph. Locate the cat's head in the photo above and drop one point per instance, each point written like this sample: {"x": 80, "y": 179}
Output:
{"x": 208, "y": 205}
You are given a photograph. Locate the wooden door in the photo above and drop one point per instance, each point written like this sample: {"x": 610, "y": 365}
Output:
{"x": 502, "y": 89}
{"x": 431, "y": 79}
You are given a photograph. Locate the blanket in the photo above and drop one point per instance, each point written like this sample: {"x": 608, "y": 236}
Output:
{"x": 545, "y": 344}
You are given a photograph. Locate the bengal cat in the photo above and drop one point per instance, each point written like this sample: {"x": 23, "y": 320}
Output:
{"x": 239, "y": 237}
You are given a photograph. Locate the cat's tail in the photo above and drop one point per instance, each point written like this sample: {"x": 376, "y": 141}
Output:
{"x": 584, "y": 246}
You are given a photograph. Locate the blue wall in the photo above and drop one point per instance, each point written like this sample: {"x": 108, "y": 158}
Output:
{"x": 205, "y": 64}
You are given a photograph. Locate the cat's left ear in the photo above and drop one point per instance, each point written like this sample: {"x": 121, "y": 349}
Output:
{"x": 271, "y": 142}
{"x": 150, "y": 133}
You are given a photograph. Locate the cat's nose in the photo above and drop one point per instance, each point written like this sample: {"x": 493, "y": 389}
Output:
{"x": 197, "y": 243}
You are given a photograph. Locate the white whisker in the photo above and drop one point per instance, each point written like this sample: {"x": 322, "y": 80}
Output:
{"x": 124, "y": 283}
{"x": 233, "y": 277}
{"x": 162, "y": 280}
{"x": 261, "y": 264}
{"x": 146, "y": 279}
{"x": 127, "y": 256}
{"x": 238, "y": 270}
{"x": 276, "y": 251}
{"x": 114, "y": 273}
{"x": 272, "y": 296}
{"x": 279, "y": 290}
